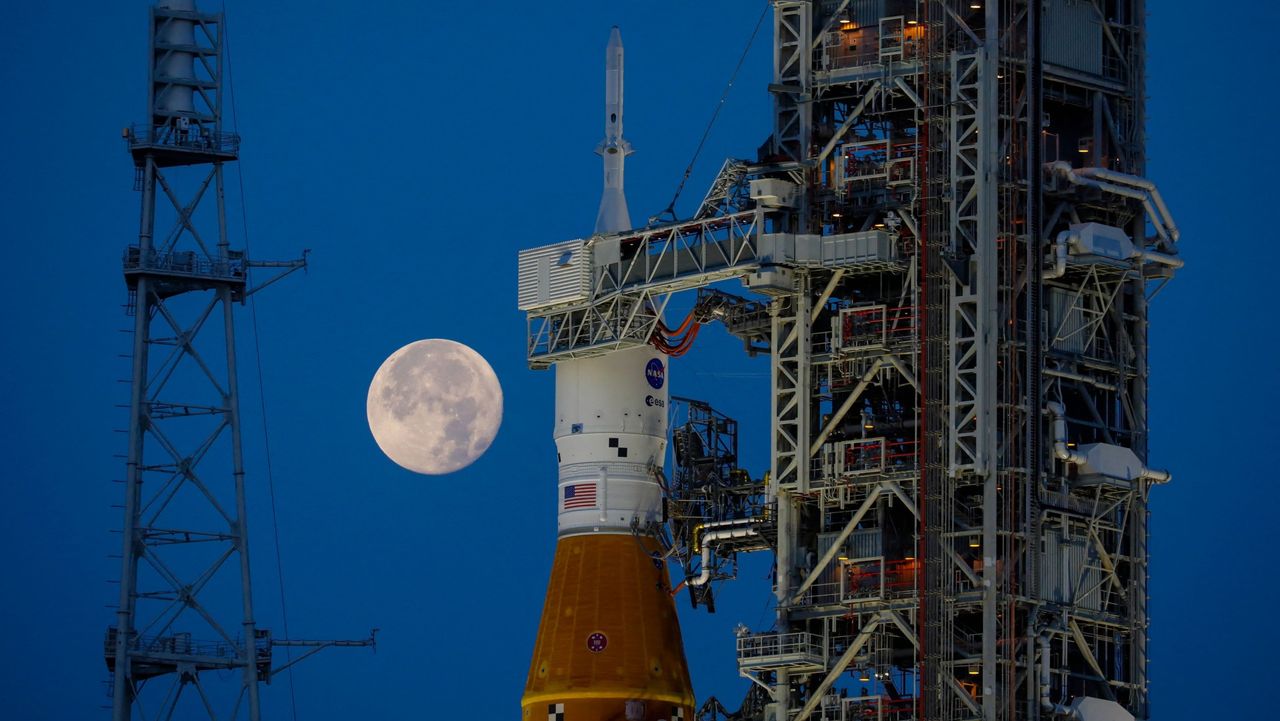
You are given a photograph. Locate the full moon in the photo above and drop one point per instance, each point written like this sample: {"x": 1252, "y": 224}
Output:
{"x": 434, "y": 406}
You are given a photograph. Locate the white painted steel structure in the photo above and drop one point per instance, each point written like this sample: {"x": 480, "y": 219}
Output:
{"x": 952, "y": 248}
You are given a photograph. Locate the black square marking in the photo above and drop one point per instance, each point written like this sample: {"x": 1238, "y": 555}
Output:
{"x": 622, "y": 453}
{"x": 613, "y": 442}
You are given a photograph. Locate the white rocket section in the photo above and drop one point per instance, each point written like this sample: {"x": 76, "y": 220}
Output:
{"x": 611, "y": 428}
{"x": 613, "y": 216}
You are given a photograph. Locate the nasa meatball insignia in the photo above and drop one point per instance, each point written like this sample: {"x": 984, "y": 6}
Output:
{"x": 655, "y": 373}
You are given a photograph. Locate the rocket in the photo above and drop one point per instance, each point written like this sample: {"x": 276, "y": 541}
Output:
{"x": 609, "y": 645}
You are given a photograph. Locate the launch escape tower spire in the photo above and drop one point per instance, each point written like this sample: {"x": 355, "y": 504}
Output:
{"x": 951, "y": 248}
{"x": 185, "y": 604}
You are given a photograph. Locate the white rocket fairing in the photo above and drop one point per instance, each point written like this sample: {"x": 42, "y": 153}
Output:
{"x": 613, "y": 216}
{"x": 609, "y": 644}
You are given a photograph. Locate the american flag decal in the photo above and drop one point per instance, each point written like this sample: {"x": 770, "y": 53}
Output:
{"x": 579, "y": 495}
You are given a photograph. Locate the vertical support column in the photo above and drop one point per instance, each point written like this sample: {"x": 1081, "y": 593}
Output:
{"x": 1138, "y": 514}
{"x": 791, "y": 386}
{"x": 1138, "y": 90}
{"x": 986, "y": 287}
{"x": 241, "y": 530}
{"x": 792, "y": 60}
{"x": 790, "y": 471}
{"x": 131, "y": 546}
{"x": 1034, "y": 450}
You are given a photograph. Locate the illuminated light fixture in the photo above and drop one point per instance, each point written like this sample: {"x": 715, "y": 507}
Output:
{"x": 879, "y": 225}
{"x": 975, "y": 6}
{"x": 973, "y": 671}
{"x": 974, "y": 542}
{"x": 842, "y": 557}
{"x": 837, "y": 215}
{"x": 868, "y": 426}
{"x": 913, "y": 22}
{"x": 910, "y": 558}
{"x": 863, "y": 676}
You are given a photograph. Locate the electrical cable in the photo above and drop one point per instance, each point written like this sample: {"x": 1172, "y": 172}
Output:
{"x": 262, "y": 389}
{"x": 670, "y": 210}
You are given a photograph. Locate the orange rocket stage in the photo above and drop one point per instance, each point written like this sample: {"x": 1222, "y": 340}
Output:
{"x": 608, "y": 636}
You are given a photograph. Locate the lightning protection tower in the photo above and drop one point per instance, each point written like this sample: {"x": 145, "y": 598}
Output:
{"x": 185, "y": 605}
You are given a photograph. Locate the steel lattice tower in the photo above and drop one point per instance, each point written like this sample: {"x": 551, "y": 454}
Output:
{"x": 952, "y": 247}
{"x": 186, "y": 605}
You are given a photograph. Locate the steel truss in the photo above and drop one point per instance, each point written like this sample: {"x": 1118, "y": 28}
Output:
{"x": 185, "y": 605}
{"x": 944, "y": 542}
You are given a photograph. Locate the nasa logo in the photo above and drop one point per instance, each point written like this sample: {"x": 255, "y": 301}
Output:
{"x": 651, "y": 401}
{"x": 655, "y": 373}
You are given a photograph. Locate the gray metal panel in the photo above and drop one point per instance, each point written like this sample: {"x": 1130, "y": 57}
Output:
{"x": 866, "y": 12}
{"x": 1073, "y": 36}
{"x": 1068, "y": 574}
{"x": 1066, "y": 321}
{"x": 553, "y": 275}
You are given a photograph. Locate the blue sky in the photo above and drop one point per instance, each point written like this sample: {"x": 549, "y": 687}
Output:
{"x": 414, "y": 150}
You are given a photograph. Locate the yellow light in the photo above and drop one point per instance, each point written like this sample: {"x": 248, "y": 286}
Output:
{"x": 864, "y": 676}
{"x": 868, "y": 426}
{"x": 837, "y": 215}
{"x": 973, "y": 671}
{"x": 974, "y": 542}
{"x": 975, "y": 6}
{"x": 913, "y": 22}
{"x": 1082, "y": 150}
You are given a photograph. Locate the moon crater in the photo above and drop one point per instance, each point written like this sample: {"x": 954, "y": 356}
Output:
{"x": 434, "y": 406}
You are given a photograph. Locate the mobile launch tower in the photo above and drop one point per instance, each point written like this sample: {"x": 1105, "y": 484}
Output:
{"x": 949, "y": 246}
{"x": 185, "y": 606}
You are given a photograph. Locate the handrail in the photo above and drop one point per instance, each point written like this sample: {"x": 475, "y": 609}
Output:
{"x": 185, "y": 262}
{"x": 195, "y": 137}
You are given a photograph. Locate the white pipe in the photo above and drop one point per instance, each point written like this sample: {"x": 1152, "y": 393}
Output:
{"x": 1059, "y": 373}
{"x": 1130, "y": 186}
{"x": 708, "y": 540}
{"x": 1155, "y": 475}
{"x": 1065, "y": 454}
{"x": 1060, "y": 449}
{"x": 1139, "y": 182}
{"x": 1161, "y": 258}
{"x": 1045, "y": 676}
{"x": 1059, "y": 256}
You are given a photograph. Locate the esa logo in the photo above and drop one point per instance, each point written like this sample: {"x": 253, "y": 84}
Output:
{"x": 655, "y": 373}
{"x": 651, "y": 401}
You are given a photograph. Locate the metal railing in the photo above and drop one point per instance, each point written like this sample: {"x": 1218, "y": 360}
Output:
{"x": 771, "y": 646}
{"x": 194, "y": 138}
{"x": 181, "y": 644}
{"x": 185, "y": 262}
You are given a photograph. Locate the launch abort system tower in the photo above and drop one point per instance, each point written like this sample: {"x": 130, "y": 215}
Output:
{"x": 951, "y": 247}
